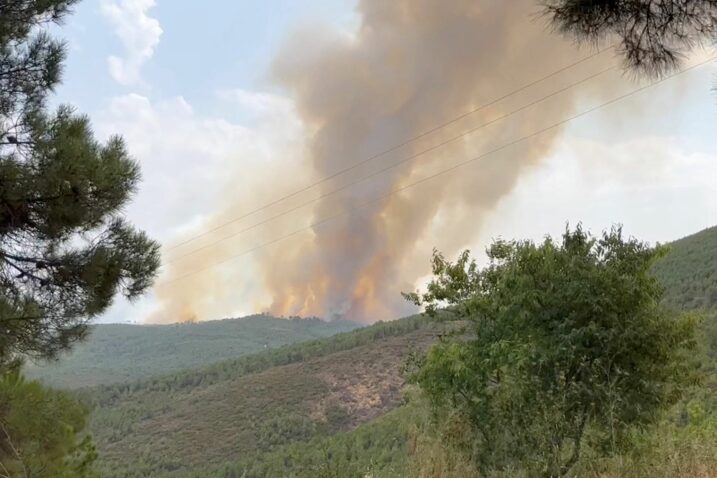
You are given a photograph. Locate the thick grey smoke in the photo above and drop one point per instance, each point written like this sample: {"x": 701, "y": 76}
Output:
{"x": 411, "y": 65}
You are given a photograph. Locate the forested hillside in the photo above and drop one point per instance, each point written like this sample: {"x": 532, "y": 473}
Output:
{"x": 243, "y": 408}
{"x": 117, "y": 353}
{"x": 337, "y": 406}
{"x": 381, "y": 448}
{"x": 398, "y": 443}
{"x": 689, "y": 271}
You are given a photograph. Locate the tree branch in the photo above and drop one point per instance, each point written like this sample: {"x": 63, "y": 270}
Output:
{"x": 17, "y": 454}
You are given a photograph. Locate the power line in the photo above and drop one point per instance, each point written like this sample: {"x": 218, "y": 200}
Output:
{"x": 394, "y": 165}
{"x": 428, "y": 178}
{"x": 390, "y": 150}
{"x": 452, "y": 168}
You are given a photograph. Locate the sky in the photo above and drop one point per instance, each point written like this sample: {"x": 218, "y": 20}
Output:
{"x": 188, "y": 85}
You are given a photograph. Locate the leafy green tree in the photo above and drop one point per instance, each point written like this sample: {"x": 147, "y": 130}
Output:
{"x": 566, "y": 343}
{"x": 40, "y": 432}
{"x": 652, "y": 35}
{"x": 65, "y": 250}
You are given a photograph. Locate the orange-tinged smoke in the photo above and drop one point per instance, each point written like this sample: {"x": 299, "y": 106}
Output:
{"x": 410, "y": 65}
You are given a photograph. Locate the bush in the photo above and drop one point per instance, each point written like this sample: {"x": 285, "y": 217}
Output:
{"x": 567, "y": 344}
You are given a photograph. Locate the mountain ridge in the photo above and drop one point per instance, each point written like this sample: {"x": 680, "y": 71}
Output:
{"x": 116, "y": 353}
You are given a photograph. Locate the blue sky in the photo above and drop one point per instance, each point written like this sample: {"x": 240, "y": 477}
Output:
{"x": 187, "y": 84}
{"x": 203, "y": 47}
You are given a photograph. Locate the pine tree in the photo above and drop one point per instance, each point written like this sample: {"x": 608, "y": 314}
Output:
{"x": 65, "y": 249}
{"x": 653, "y": 36}
{"x": 41, "y": 432}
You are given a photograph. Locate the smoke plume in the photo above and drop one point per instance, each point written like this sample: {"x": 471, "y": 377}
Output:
{"x": 409, "y": 66}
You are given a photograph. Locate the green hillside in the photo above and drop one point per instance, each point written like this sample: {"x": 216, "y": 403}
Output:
{"x": 335, "y": 407}
{"x": 250, "y": 406}
{"x": 386, "y": 446}
{"x": 689, "y": 271}
{"x": 379, "y": 448}
{"x": 117, "y": 353}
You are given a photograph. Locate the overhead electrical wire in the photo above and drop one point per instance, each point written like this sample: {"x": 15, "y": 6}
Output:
{"x": 389, "y": 167}
{"x": 421, "y": 181}
{"x": 391, "y": 149}
{"x": 452, "y": 168}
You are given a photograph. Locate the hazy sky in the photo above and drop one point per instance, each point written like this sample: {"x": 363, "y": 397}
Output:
{"x": 186, "y": 83}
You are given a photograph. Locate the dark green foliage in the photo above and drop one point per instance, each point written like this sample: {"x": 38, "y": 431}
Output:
{"x": 115, "y": 353}
{"x": 40, "y": 432}
{"x": 689, "y": 272}
{"x": 30, "y": 62}
{"x": 284, "y": 428}
{"x": 65, "y": 250}
{"x": 568, "y": 346}
{"x": 653, "y": 36}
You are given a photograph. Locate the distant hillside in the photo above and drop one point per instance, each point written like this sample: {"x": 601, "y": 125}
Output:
{"x": 227, "y": 399}
{"x": 689, "y": 271}
{"x": 292, "y": 441}
{"x": 244, "y": 408}
{"x": 117, "y": 353}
